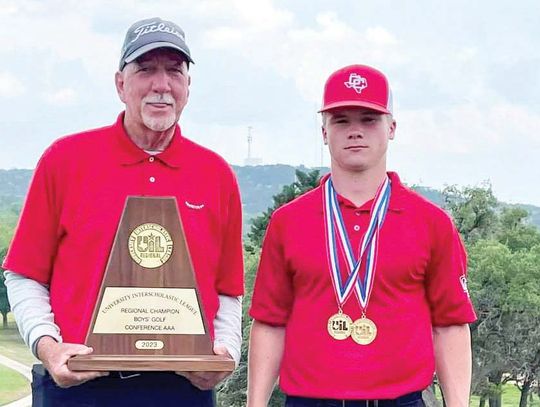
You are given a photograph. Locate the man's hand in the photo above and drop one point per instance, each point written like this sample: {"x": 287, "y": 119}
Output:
{"x": 55, "y": 355}
{"x": 207, "y": 380}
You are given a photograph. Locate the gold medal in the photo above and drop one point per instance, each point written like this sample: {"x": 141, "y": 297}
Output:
{"x": 339, "y": 326}
{"x": 363, "y": 331}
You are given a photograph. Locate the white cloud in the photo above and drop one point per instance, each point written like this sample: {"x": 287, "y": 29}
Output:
{"x": 10, "y": 86}
{"x": 380, "y": 36}
{"x": 468, "y": 129}
{"x": 62, "y": 97}
{"x": 305, "y": 54}
{"x": 451, "y": 104}
{"x": 8, "y": 8}
{"x": 222, "y": 37}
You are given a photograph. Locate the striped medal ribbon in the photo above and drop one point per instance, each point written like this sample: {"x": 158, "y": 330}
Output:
{"x": 340, "y": 326}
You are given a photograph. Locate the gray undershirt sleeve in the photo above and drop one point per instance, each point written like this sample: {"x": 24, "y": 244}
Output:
{"x": 228, "y": 325}
{"x": 31, "y": 307}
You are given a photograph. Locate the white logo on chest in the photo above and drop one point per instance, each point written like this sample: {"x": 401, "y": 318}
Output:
{"x": 193, "y": 206}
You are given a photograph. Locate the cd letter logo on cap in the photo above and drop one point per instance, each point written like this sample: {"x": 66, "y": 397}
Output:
{"x": 356, "y": 82}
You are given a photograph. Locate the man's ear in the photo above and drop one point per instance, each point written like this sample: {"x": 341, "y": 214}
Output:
{"x": 393, "y": 126}
{"x": 119, "y": 82}
{"x": 324, "y": 136}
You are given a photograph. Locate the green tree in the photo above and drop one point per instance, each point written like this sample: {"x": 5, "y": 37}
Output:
{"x": 4, "y": 303}
{"x": 514, "y": 231}
{"x": 305, "y": 181}
{"x": 524, "y": 306}
{"x": 232, "y": 393}
{"x": 505, "y": 288}
{"x": 489, "y": 265}
{"x": 473, "y": 211}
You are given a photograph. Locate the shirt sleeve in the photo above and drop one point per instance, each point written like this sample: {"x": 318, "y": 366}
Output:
{"x": 230, "y": 277}
{"x": 228, "y": 325}
{"x": 31, "y": 306}
{"x": 36, "y": 236}
{"x": 273, "y": 291}
{"x": 446, "y": 279}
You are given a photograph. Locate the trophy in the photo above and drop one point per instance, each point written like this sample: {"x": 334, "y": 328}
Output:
{"x": 149, "y": 316}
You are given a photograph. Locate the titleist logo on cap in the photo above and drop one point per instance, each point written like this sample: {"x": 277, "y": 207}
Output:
{"x": 146, "y": 35}
{"x": 156, "y": 27}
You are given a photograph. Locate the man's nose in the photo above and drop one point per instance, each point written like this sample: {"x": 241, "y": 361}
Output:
{"x": 160, "y": 82}
{"x": 355, "y": 134}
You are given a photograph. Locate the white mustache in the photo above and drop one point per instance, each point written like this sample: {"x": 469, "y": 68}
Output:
{"x": 159, "y": 98}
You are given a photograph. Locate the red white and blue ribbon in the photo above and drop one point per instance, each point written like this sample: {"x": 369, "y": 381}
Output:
{"x": 335, "y": 229}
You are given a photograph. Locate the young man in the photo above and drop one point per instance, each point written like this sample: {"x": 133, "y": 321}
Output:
{"x": 67, "y": 227}
{"x": 360, "y": 294}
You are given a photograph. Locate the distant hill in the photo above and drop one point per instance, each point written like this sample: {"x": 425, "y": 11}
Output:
{"x": 257, "y": 185}
{"x": 14, "y": 183}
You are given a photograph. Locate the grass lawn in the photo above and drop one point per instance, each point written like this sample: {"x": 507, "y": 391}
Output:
{"x": 510, "y": 398}
{"x": 13, "y": 385}
{"x": 511, "y": 395}
{"x": 12, "y": 345}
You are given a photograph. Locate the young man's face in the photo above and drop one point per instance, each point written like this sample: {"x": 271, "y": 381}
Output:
{"x": 155, "y": 89}
{"x": 357, "y": 137}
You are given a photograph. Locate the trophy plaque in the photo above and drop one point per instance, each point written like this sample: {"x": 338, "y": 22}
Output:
{"x": 148, "y": 316}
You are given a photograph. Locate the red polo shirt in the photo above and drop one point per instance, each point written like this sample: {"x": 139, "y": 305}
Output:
{"x": 72, "y": 210}
{"x": 417, "y": 286}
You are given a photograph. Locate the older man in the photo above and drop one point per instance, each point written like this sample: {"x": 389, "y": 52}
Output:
{"x": 58, "y": 255}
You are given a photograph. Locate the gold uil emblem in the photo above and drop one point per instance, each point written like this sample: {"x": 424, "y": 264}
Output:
{"x": 150, "y": 245}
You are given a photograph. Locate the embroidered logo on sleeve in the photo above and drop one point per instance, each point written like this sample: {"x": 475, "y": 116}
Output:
{"x": 463, "y": 281}
{"x": 193, "y": 206}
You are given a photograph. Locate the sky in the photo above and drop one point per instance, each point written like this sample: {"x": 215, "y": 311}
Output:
{"x": 465, "y": 78}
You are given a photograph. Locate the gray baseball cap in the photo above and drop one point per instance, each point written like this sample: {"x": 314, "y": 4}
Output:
{"x": 149, "y": 34}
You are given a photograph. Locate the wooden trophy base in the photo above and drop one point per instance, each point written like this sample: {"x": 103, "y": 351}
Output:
{"x": 191, "y": 363}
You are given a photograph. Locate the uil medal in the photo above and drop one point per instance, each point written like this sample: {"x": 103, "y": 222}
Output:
{"x": 363, "y": 331}
{"x": 339, "y": 326}
{"x": 150, "y": 245}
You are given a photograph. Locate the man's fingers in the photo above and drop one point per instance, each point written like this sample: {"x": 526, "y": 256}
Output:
{"x": 76, "y": 349}
{"x": 221, "y": 350}
{"x": 68, "y": 378}
{"x": 187, "y": 375}
{"x": 204, "y": 380}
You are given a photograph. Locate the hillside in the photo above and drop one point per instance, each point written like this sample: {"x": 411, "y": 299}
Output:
{"x": 257, "y": 185}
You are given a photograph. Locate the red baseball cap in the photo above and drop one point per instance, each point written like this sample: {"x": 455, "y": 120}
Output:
{"x": 357, "y": 85}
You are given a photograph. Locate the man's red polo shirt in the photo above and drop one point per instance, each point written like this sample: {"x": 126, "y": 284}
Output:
{"x": 418, "y": 284}
{"x": 75, "y": 201}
